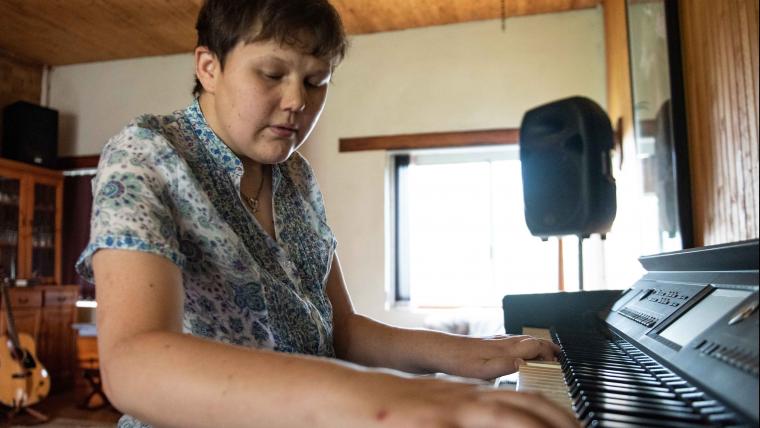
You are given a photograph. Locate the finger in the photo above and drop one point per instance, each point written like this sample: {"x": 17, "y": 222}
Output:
{"x": 532, "y": 348}
{"x": 499, "y": 366}
{"x": 538, "y": 405}
{"x": 548, "y": 350}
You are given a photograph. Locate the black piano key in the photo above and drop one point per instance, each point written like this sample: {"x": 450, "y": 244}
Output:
{"x": 597, "y": 354}
{"x": 607, "y": 360}
{"x": 712, "y": 410}
{"x": 619, "y": 379}
{"x": 612, "y": 378}
{"x": 590, "y": 353}
{"x": 670, "y": 378}
{"x": 723, "y": 418}
{"x": 704, "y": 403}
{"x": 637, "y": 404}
{"x": 632, "y": 387}
{"x": 637, "y": 411}
{"x": 693, "y": 396}
{"x": 627, "y": 374}
{"x": 603, "y": 417}
{"x": 619, "y": 367}
{"x": 621, "y": 390}
{"x": 611, "y": 424}
{"x": 596, "y": 395}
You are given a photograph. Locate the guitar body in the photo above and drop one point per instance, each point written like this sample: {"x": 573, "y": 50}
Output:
{"x": 23, "y": 379}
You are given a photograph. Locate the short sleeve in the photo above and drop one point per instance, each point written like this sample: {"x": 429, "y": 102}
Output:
{"x": 132, "y": 198}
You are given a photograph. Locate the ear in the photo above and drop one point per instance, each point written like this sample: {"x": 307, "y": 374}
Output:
{"x": 207, "y": 68}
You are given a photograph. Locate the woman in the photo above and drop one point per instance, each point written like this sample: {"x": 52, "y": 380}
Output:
{"x": 220, "y": 298}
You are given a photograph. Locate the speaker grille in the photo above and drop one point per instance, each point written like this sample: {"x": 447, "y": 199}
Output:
{"x": 30, "y": 134}
{"x": 564, "y": 147}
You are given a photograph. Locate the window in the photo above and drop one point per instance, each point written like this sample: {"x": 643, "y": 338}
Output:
{"x": 460, "y": 233}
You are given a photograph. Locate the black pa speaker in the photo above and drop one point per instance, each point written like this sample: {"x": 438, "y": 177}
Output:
{"x": 568, "y": 186}
{"x": 30, "y": 134}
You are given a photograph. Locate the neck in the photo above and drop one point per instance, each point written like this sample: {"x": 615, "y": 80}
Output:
{"x": 253, "y": 169}
{"x": 206, "y": 103}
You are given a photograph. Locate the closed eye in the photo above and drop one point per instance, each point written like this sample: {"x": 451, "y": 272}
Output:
{"x": 318, "y": 81}
{"x": 273, "y": 76}
{"x": 313, "y": 84}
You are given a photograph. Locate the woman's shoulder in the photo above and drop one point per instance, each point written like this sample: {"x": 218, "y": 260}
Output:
{"x": 151, "y": 127}
{"x": 146, "y": 147}
{"x": 145, "y": 136}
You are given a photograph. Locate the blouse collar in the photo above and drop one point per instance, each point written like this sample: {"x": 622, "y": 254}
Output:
{"x": 215, "y": 146}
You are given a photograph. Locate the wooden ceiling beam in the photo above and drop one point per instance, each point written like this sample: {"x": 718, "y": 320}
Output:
{"x": 77, "y": 31}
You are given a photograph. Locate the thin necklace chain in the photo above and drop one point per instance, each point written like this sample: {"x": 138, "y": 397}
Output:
{"x": 253, "y": 201}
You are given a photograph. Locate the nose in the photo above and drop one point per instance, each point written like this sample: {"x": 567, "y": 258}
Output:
{"x": 294, "y": 97}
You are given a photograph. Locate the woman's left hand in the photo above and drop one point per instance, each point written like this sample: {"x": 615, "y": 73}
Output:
{"x": 489, "y": 358}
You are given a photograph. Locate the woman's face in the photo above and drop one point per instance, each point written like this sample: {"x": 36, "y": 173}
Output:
{"x": 267, "y": 99}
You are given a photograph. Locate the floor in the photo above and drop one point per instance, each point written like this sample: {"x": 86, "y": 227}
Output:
{"x": 66, "y": 408}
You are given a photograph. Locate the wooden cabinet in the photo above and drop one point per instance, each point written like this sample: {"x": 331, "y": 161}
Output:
{"x": 57, "y": 340}
{"x": 27, "y": 308}
{"x": 47, "y": 313}
{"x": 30, "y": 222}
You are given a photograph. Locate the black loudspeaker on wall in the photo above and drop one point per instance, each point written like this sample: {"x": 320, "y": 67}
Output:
{"x": 568, "y": 186}
{"x": 30, "y": 134}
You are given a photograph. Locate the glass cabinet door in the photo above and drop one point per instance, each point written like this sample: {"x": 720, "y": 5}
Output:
{"x": 10, "y": 190}
{"x": 44, "y": 232}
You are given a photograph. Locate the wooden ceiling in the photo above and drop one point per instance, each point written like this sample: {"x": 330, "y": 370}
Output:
{"x": 59, "y": 32}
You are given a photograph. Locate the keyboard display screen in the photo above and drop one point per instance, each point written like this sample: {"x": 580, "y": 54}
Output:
{"x": 703, "y": 314}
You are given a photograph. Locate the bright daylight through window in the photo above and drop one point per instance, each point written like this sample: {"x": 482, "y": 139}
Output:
{"x": 461, "y": 236}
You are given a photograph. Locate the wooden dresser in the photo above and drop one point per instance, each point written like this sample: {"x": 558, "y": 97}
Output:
{"x": 47, "y": 312}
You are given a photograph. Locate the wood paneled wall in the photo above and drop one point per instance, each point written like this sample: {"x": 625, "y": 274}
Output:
{"x": 619, "y": 102}
{"x": 720, "y": 53}
{"x": 19, "y": 81}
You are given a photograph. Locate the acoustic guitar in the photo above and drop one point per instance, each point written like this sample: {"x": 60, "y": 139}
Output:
{"x": 23, "y": 379}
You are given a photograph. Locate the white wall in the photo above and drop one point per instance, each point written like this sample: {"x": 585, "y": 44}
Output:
{"x": 96, "y": 100}
{"x": 455, "y": 77}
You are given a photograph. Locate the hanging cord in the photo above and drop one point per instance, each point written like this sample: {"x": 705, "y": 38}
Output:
{"x": 503, "y": 15}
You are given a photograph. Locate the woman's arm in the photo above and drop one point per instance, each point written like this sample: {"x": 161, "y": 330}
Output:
{"x": 364, "y": 341}
{"x": 163, "y": 377}
{"x": 155, "y": 373}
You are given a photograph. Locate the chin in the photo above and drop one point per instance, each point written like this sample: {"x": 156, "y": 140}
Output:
{"x": 275, "y": 156}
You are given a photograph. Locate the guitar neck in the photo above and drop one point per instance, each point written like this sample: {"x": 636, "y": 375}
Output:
{"x": 12, "y": 334}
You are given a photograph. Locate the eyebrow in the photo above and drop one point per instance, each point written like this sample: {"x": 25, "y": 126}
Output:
{"x": 328, "y": 69}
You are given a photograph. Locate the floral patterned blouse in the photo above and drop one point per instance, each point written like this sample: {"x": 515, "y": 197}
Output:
{"x": 168, "y": 185}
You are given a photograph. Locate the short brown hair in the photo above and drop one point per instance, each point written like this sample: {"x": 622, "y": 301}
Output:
{"x": 222, "y": 24}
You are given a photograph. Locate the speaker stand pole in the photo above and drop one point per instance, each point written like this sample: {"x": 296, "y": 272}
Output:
{"x": 580, "y": 262}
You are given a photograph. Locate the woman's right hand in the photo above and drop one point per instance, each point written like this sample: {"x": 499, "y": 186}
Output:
{"x": 415, "y": 402}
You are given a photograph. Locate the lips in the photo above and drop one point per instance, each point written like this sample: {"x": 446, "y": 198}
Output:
{"x": 285, "y": 131}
